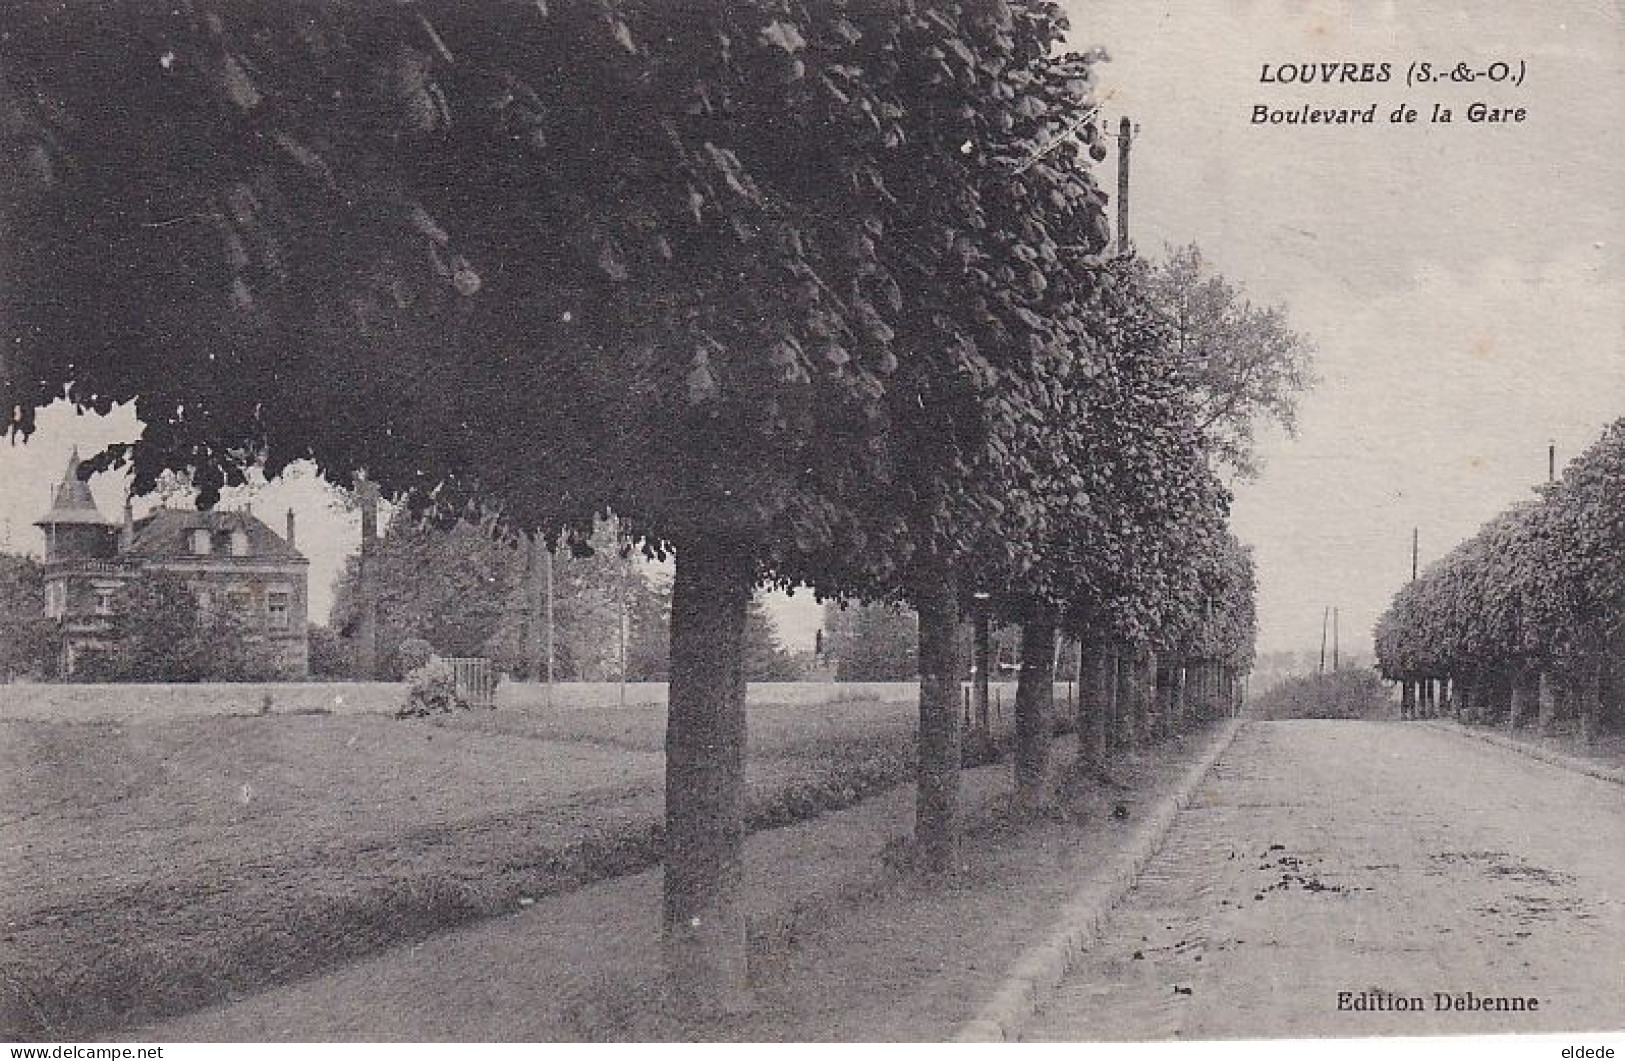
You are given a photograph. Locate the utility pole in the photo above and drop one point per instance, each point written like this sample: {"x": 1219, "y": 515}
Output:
{"x": 1325, "y": 616}
{"x": 981, "y": 658}
{"x": 367, "y": 646}
{"x": 531, "y": 609}
{"x": 1551, "y": 460}
{"x": 1335, "y": 640}
{"x": 1416, "y": 541}
{"x": 539, "y": 612}
{"x": 547, "y": 618}
{"x": 1125, "y": 141}
{"x": 622, "y": 616}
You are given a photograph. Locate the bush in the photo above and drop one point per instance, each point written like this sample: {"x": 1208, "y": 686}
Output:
{"x": 1341, "y": 694}
{"x": 331, "y": 655}
{"x": 411, "y": 654}
{"x": 431, "y": 690}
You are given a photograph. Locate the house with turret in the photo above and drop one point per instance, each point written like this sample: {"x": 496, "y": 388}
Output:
{"x": 231, "y": 560}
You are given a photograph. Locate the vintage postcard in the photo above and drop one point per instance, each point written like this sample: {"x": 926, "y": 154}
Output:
{"x": 812, "y": 520}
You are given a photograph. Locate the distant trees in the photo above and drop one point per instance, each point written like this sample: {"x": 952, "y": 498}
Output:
{"x": 332, "y": 657}
{"x": 27, "y": 647}
{"x": 872, "y": 642}
{"x": 460, "y": 586}
{"x": 161, "y": 634}
{"x": 1242, "y": 363}
{"x": 1528, "y": 613}
{"x": 449, "y": 586}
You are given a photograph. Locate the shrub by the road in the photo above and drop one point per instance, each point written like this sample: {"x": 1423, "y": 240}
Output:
{"x": 1342, "y": 694}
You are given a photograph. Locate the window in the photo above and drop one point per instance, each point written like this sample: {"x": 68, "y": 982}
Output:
{"x": 240, "y": 602}
{"x": 104, "y": 601}
{"x": 276, "y": 607}
{"x": 56, "y": 600}
{"x": 203, "y": 599}
{"x": 239, "y": 542}
{"x": 200, "y": 541}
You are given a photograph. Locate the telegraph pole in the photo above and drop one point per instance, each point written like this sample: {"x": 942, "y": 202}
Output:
{"x": 367, "y": 647}
{"x": 547, "y": 617}
{"x": 1325, "y": 616}
{"x": 1335, "y": 640}
{"x": 1125, "y": 141}
{"x": 1416, "y": 541}
{"x": 1551, "y": 461}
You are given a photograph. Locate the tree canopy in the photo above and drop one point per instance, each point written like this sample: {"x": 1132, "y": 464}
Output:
{"x": 803, "y": 293}
{"x": 27, "y": 644}
{"x": 1242, "y": 363}
{"x": 1541, "y": 584}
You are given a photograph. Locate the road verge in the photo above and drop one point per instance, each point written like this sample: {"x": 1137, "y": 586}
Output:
{"x": 1041, "y": 967}
{"x": 1534, "y": 751}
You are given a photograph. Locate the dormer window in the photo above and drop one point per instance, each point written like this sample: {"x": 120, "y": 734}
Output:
{"x": 239, "y": 542}
{"x": 201, "y": 545}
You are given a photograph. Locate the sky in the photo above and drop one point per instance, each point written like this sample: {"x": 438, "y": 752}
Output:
{"x": 1462, "y": 284}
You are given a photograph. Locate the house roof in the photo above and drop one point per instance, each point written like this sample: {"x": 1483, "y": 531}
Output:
{"x": 73, "y": 502}
{"x": 167, "y": 532}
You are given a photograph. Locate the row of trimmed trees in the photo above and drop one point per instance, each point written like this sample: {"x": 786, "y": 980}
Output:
{"x": 804, "y": 294}
{"x": 469, "y": 591}
{"x": 1524, "y": 621}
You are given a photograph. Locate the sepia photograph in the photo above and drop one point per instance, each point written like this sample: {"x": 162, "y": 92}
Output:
{"x": 812, "y": 521}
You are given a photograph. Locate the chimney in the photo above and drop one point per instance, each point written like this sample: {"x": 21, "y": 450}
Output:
{"x": 126, "y": 535}
{"x": 290, "y": 528}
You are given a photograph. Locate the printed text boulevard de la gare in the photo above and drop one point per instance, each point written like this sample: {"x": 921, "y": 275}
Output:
{"x": 1505, "y": 75}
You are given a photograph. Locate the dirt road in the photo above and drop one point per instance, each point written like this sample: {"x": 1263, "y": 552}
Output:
{"x": 1348, "y": 879}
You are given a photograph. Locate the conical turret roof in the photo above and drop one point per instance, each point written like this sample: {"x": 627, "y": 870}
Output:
{"x": 73, "y": 501}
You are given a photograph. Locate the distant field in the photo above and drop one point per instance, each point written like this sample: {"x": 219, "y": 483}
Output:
{"x": 154, "y": 867}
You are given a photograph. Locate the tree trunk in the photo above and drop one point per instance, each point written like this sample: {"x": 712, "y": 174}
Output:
{"x": 1128, "y": 696}
{"x": 1094, "y": 703}
{"x": 1500, "y": 704}
{"x": 1145, "y": 687}
{"x": 1160, "y": 702}
{"x": 982, "y": 665}
{"x": 367, "y": 662}
{"x": 1547, "y": 696}
{"x": 1035, "y": 694}
{"x": 1407, "y": 700}
{"x": 1486, "y": 692}
{"x": 1177, "y": 695}
{"x": 1588, "y": 701}
{"x": 1518, "y": 708}
{"x": 936, "y": 808}
{"x": 1199, "y": 691}
{"x": 704, "y": 916}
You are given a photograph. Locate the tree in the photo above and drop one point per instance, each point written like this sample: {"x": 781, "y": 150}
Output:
{"x": 331, "y": 656}
{"x": 872, "y": 642}
{"x": 765, "y": 657}
{"x": 1130, "y": 506}
{"x": 461, "y": 587}
{"x": 1538, "y": 592}
{"x": 447, "y": 585}
{"x": 777, "y": 285}
{"x": 1243, "y": 363}
{"x": 26, "y": 635}
{"x": 160, "y": 634}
